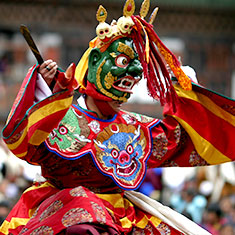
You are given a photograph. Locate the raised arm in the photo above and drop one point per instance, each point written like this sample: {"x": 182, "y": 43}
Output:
{"x": 197, "y": 130}
{"x": 37, "y": 110}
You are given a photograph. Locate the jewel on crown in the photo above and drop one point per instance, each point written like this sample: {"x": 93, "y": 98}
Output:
{"x": 122, "y": 27}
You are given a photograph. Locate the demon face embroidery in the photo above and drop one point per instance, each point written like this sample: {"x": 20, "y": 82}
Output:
{"x": 121, "y": 154}
{"x": 70, "y": 135}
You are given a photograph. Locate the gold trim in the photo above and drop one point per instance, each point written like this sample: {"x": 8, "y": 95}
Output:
{"x": 34, "y": 187}
{"x": 123, "y": 48}
{"x": 144, "y": 8}
{"x": 142, "y": 223}
{"x": 101, "y": 14}
{"x": 102, "y": 90}
{"x": 182, "y": 78}
{"x": 153, "y": 15}
{"x": 109, "y": 80}
{"x": 207, "y": 103}
{"x": 13, "y": 224}
{"x": 205, "y": 149}
{"x": 113, "y": 54}
{"x": 40, "y": 114}
{"x": 126, "y": 11}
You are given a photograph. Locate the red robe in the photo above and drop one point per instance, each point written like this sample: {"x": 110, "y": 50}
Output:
{"x": 88, "y": 162}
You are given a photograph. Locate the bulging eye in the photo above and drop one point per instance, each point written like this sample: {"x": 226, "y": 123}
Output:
{"x": 63, "y": 130}
{"x": 114, "y": 153}
{"x": 122, "y": 61}
{"x": 130, "y": 149}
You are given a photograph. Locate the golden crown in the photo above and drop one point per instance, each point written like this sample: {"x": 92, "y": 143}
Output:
{"x": 153, "y": 54}
{"x": 123, "y": 26}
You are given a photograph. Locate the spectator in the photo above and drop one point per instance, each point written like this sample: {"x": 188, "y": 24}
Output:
{"x": 189, "y": 203}
{"x": 4, "y": 210}
{"x": 212, "y": 219}
{"x": 227, "y": 229}
{"x": 228, "y": 208}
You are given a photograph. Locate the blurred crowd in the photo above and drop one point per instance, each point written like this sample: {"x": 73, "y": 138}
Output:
{"x": 16, "y": 59}
{"x": 205, "y": 195}
{"x": 15, "y": 176}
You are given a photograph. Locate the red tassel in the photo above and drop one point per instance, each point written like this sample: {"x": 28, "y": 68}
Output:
{"x": 158, "y": 83}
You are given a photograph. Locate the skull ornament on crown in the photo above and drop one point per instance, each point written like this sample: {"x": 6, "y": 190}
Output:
{"x": 125, "y": 51}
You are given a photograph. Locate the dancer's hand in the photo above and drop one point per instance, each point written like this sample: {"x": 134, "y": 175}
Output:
{"x": 48, "y": 70}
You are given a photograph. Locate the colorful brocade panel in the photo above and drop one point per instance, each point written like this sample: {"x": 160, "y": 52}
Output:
{"x": 70, "y": 207}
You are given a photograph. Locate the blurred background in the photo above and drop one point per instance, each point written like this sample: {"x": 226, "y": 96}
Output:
{"x": 200, "y": 32}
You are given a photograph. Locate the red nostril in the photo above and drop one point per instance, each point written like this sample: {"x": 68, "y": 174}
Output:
{"x": 123, "y": 157}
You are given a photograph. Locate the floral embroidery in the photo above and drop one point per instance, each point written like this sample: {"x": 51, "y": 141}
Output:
{"x": 129, "y": 119}
{"x": 177, "y": 134}
{"x": 99, "y": 213}
{"x": 169, "y": 163}
{"x": 35, "y": 213}
{"x": 51, "y": 210}
{"x": 160, "y": 146}
{"x": 78, "y": 192}
{"x": 137, "y": 232}
{"x": 196, "y": 160}
{"x": 76, "y": 216}
{"x": 163, "y": 229}
{"x": 148, "y": 230}
{"x": 43, "y": 230}
{"x": 132, "y": 116}
{"x": 24, "y": 230}
{"x": 95, "y": 126}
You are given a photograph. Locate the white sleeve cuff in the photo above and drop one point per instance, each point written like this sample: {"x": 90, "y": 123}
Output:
{"x": 42, "y": 90}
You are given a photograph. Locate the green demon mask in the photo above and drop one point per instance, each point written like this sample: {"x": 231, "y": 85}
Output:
{"x": 112, "y": 64}
{"x": 115, "y": 71}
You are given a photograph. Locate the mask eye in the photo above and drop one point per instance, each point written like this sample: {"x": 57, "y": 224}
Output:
{"x": 122, "y": 61}
{"x": 130, "y": 149}
{"x": 63, "y": 130}
{"x": 106, "y": 30}
{"x": 114, "y": 153}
